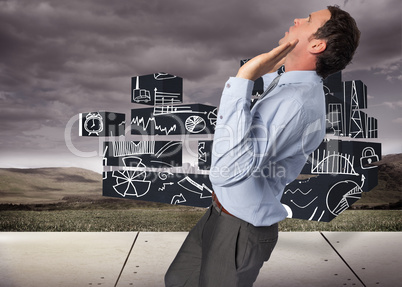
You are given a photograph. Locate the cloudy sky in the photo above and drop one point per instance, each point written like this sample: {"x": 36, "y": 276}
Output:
{"x": 61, "y": 58}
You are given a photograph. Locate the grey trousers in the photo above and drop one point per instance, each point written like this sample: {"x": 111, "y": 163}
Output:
{"x": 221, "y": 250}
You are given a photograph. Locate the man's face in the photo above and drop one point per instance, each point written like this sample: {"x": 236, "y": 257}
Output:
{"x": 303, "y": 28}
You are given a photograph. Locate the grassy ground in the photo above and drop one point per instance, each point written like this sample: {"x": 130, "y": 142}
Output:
{"x": 70, "y": 199}
{"x": 177, "y": 219}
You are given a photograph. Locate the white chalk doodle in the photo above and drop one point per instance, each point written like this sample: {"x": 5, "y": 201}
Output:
{"x": 335, "y": 163}
{"x": 343, "y": 200}
{"x": 192, "y": 186}
{"x": 178, "y": 199}
{"x": 139, "y": 121}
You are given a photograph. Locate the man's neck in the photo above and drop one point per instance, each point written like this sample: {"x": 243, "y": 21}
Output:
{"x": 301, "y": 63}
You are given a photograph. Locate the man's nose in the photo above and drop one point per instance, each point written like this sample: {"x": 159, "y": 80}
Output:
{"x": 296, "y": 21}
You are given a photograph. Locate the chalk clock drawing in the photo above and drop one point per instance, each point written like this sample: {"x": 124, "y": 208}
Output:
{"x": 93, "y": 123}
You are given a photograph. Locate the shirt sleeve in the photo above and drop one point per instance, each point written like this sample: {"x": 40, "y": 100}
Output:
{"x": 242, "y": 143}
{"x": 233, "y": 122}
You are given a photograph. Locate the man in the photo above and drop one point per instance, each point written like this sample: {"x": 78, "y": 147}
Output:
{"x": 257, "y": 152}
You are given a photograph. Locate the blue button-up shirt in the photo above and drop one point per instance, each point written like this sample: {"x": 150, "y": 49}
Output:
{"x": 257, "y": 153}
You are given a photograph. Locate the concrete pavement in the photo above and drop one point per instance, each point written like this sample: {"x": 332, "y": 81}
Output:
{"x": 33, "y": 259}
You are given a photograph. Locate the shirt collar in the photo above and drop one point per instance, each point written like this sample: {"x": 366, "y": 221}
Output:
{"x": 299, "y": 77}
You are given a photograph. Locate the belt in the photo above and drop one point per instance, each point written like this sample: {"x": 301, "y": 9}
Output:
{"x": 219, "y": 205}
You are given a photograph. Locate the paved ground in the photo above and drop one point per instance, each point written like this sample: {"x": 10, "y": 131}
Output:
{"x": 141, "y": 259}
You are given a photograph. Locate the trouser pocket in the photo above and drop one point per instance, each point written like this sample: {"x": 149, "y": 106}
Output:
{"x": 266, "y": 247}
{"x": 267, "y": 239}
{"x": 255, "y": 245}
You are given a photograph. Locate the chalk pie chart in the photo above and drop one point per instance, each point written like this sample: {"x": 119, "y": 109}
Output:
{"x": 195, "y": 124}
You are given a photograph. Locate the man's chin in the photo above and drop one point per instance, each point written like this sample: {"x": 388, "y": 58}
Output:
{"x": 283, "y": 40}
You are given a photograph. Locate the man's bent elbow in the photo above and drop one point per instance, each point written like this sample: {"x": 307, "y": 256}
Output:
{"x": 226, "y": 177}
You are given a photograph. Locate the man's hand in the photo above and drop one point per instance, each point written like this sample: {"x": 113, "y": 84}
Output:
{"x": 267, "y": 62}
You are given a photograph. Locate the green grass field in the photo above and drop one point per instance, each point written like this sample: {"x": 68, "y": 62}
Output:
{"x": 177, "y": 219}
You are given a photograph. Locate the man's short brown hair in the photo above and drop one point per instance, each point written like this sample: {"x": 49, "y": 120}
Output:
{"x": 342, "y": 37}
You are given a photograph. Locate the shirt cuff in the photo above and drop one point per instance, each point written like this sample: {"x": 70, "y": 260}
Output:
{"x": 236, "y": 97}
{"x": 237, "y": 88}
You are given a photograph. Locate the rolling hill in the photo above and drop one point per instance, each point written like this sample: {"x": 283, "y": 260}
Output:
{"x": 388, "y": 192}
{"x": 47, "y": 185}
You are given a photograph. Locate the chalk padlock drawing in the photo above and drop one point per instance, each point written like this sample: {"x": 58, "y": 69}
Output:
{"x": 333, "y": 178}
{"x": 368, "y": 156}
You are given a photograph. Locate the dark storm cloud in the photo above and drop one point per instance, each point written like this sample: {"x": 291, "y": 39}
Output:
{"x": 60, "y": 58}
{"x": 380, "y": 24}
{"x": 76, "y": 51}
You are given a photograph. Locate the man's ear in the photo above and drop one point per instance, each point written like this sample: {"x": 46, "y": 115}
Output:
{"x": 317, "y": 46}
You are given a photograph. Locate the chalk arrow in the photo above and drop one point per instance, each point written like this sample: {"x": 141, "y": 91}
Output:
{"x": 363, "y": 180}
{"x": 178, "y": 198}
{"x": 164, "y": 186}
{"x": 202, "y": 155}
{"x": 192, "y": 186}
